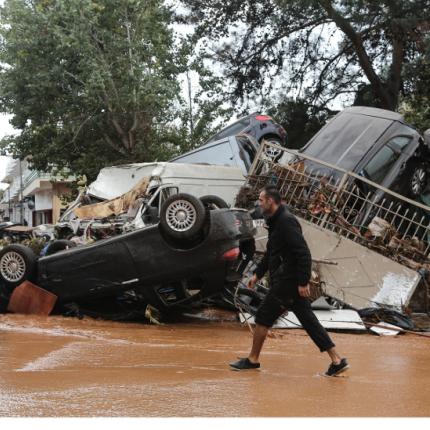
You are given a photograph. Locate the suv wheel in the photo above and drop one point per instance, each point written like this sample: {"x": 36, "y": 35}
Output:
{"x": 418, "y": 180}
{"x": 182, "y": 216}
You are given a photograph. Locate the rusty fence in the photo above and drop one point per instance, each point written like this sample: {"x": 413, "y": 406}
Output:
{"x": 347, "y": 204}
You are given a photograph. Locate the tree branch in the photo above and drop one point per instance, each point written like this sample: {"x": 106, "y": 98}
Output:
{"x": 363, "y": 58}
{"x": 117, "y": 148}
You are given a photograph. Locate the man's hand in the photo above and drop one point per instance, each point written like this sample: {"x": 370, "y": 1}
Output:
{"x": 252, "y": 281}
{"x": 304, "y": 290}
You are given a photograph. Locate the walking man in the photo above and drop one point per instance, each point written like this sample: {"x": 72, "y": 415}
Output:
{"x": 289, "y": 263}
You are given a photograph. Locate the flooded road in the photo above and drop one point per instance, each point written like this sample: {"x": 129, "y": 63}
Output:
{"x": 59, "y": 366}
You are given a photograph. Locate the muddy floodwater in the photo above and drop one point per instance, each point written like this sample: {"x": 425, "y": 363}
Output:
{"x": 67, "y": 367}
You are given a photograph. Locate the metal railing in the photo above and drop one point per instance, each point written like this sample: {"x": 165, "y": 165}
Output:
{"x": 347, "y": 204}
{"x": 31, "y": 175}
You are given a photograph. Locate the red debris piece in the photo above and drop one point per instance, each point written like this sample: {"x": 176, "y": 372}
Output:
{"x": 28, "y": 298}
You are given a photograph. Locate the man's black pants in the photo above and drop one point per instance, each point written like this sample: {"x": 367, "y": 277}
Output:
{"x": 284, "y": 296}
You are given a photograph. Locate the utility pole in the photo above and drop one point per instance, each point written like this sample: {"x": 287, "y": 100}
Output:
{"x": 21, "y": 203}
{"x": 190, "y": 100}
{"x": 8, "y": 190}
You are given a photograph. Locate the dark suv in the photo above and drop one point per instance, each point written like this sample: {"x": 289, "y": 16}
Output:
{"x": 376, "y": 144}
{"x": 256, "y": 125}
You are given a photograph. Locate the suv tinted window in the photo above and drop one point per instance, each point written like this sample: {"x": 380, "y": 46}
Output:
{"x": 380, "y": 164}
{"x": 399, "y": 142}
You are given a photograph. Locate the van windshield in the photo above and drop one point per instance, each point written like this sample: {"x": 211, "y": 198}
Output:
{"x": 246, "y": 152}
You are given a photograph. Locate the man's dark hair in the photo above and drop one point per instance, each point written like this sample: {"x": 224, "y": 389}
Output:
{"x": 272, "y": 192}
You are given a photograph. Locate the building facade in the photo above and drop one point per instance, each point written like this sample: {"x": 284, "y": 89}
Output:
{"x": 32, "y": 197}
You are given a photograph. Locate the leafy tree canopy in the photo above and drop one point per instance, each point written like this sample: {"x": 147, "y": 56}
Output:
{"x": 321, "y": 49}
{"x": 301, "y": 119}
{"x": 415, "y": 104}
{"x": 90, "y": 82}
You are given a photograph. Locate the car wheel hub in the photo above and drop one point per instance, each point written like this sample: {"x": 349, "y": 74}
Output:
{"x": 418, "y": 180}
{"x": 12, "y": 266}
{"x": 181, "y": 215}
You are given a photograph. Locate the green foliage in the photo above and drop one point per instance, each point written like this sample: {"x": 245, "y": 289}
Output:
{"x": 416, "y": 100}
{"x": 300, "y": 119}
{"x": 36, "y": 244}
{"x": 3, "y": 243}
{"x": 89, "y": 83}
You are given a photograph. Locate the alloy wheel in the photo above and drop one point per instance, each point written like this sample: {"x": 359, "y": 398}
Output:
{"x": 12, "y": 266}
{"x": 181, "y": 215}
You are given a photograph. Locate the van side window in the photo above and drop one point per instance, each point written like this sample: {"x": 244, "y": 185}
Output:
{"x": 233, "y": 129}
{"x": 220, "y": 154}
{"x": 379, "y": 166}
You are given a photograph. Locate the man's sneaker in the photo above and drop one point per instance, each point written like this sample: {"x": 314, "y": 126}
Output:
{"x": 244, "y": 364}
{"x": 336, "y": 369}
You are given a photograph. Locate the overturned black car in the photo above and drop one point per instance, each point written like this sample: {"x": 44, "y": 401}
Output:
{"x": 188, "y": 256}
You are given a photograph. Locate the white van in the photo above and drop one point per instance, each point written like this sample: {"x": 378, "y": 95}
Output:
{"x": 196, "y": 179}
{"x": 163, "y": 180}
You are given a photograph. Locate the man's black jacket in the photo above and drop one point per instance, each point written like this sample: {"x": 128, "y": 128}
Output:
{"x": 287, "y": 256}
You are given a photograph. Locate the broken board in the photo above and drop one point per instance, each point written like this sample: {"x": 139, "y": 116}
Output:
{"x": 339, "y": 319}
{"x": 385, "y": 329}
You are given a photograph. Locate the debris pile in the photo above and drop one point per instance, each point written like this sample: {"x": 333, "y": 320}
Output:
{"x": 346, "y": 207}
{"x": 337, "y": 208}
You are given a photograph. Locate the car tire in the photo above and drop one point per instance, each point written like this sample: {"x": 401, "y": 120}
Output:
{"x": 213, "y": 202}
{"x": 417, "y": 180}
{"x": 182, "y": 216}
{"x": 270, "y": 152}
{"x": 17, "y": 264}
{"x": 59, "y": 245}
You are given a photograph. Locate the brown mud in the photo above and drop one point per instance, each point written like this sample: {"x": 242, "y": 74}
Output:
{"x": 67, "y": 367}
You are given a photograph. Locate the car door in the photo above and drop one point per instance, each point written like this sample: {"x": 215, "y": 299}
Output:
{"x": 386, "y": 166}
{"x": 383, "y": 162}
{"x": 94, "y": 270}
{"x": 382, "y": 168}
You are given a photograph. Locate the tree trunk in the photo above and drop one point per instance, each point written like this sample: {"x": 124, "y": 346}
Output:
{"x": 386, "y": 93}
